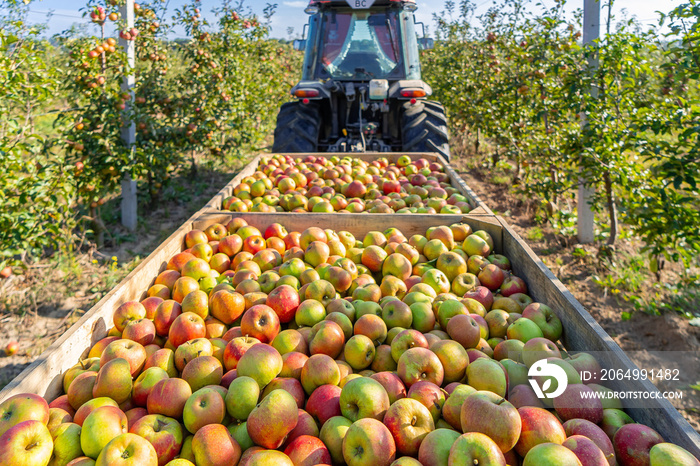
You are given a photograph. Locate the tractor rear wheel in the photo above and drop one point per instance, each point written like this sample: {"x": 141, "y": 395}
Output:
{"x": 424, "y": 128}
{"x": 298, "y": 127}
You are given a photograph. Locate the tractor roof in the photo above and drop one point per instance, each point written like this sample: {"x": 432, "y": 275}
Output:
{"x": 358, "y": 4}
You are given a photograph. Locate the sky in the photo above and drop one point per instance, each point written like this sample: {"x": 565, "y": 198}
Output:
{"x": 290, "y": 13}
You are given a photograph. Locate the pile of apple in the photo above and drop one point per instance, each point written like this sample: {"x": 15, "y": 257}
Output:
{"x": 320, "y": 184}
{"x": 275, "y": 348}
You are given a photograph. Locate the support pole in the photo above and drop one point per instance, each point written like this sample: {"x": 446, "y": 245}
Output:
{"x": 129, "y": 198}
{"x": 591, "y": 33}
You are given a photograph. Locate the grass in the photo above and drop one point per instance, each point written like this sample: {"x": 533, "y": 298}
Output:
{"x": 501, "y": 180}
{"x": 535, "y": 234}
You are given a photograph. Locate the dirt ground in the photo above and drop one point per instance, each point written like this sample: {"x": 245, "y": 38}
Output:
{"x": 41, "y": 302}
{"x": 653, "y": 342}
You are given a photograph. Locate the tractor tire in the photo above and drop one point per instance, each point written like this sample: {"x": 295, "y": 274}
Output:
{"x": 298, "y": 128}
{"x": 424, "y": 128}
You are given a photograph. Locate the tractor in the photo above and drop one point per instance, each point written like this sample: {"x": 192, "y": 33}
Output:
{"x": 361, "y": 88}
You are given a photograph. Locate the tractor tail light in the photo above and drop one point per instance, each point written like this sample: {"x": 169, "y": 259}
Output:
{"x": 413, "y": 93}
{"x": 305, "y": 93}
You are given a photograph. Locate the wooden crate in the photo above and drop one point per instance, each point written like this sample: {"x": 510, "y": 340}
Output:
{"x": 456, "y": 181}
{"x": 581, "y": 332}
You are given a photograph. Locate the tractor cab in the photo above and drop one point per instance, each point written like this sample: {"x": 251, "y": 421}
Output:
{"x": 360, "y": 78}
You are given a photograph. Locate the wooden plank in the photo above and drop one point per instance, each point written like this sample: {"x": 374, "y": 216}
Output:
{"x": 583, "y": 333}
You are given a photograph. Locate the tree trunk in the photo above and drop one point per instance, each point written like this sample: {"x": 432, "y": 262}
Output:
{"x": 477, "y": 143}
{"x": 97, "y": 227}
{"x": 612, "y": 209}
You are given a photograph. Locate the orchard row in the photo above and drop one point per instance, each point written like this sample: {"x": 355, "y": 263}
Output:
{"x": 516, "y": 83}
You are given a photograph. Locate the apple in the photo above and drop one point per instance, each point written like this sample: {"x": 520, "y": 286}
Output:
{"x": 327, "y": 337}
{"x": 371, "y": 326}
{"x": 292, "y": 364}
{"x": 491, "y": 276}
{"x": 464, "y": 329}
{"x": 205, "y": 406}
{"x": 131, "y": 310}
{"x": 423, "y": 318}
{"x": 666, "y": 453}
{"x": 464, "y": 283}
{"x": 324, "y": 403}
{"x": 551, "y": 454}
{"x": 359, "y": 352}
{"x": 261, "y": 362}
{"x": 546, "y": 320}
{"x": 475, "y": 448}
{"x": 288, "y": 341}
{"x": 368, "y": 442}
{"x": 537, "y": 349}
{"x": 284, "y": 300}
{"x": 306, "y": 450}
{"x": 453, "y": 357}
{"x": 57, "y": 416}
{"x": 264, "y": 457}
{"x": 383, "y": 360}
{"x": 203, "y": 371}
{"x": 538, "y": 426}
{"x": 166, "y": 313}
{"x": 409, "y": 422}
{"x": 475, "y": 245}
{"x": 582, "y": 427}
{"x": 243, "y": 394}
{"x": 187, "y": 326}
{"x": 524, "y": 330}
{"x": 436, "y": 446}
{"x": 144, "y": 384}
{"x": 633, "y": 443}
{"x": 235, "y": 349}
{"x": 114, "y": 380}
{"x": 23, "y": 407}
{"x": 509, "y": 349}
{"x": 319, "y": 369}
{"x": 577, "y": 402}
{"x": 100, "y": 427}
{"x": 291, "y": 386}
{"x": 261, "y": 322}
{"x": 585, "y": 362}
{"x": 273, "y": 419}
{"x": 322, "y": 291}
{"x": 613, "y": 419}
{"x": 27, "y": 442}
{"x": 586, "y": 451}
{"x": 406, "y": 340}
{"x": 364, "y": 398}
{"x": 164, "y": 433}
{"x": 447, "y": 309}
{"x": 214, "y": 445}
{"x": 66, "y": 443}
{"x": 491, "y": 415}
{"x": 168, "y": 397}
{"x": 418, "y": 364}
{"x": 487, "y": 374}
{"x": 226, "y": 305}
{"x": 11, "y": 348}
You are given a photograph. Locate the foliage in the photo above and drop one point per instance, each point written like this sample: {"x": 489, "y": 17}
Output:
{"x": 629, "y": 127}
{"x": 215, "y": 94}
{"x": 35, "y": 191}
